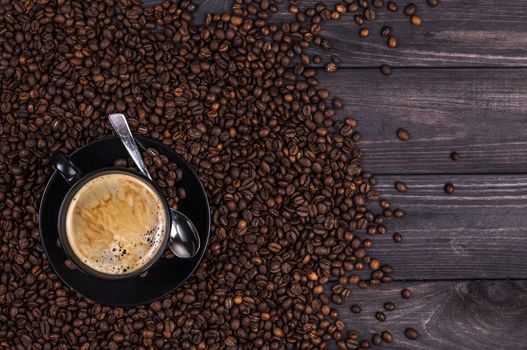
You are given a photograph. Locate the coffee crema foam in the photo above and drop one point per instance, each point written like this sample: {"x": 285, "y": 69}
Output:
{"x": 115, "y": 223}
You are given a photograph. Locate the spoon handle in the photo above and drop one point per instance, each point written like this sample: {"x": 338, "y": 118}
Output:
{"x": 120, "y": 125}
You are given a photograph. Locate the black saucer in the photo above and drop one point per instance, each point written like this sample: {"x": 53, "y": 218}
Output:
{"x": 166, "y": 274}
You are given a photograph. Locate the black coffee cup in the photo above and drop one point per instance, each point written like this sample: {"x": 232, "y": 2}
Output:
{"x": 76, "y": 181}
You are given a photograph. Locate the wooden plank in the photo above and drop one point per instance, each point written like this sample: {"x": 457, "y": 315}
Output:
{"x": 478, "y": 232}
{"x": 468, "y": 315}
{"x": 480, "y": 113}
{"x": 457, "y": 33}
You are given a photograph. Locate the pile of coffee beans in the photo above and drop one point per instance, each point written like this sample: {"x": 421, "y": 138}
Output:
{"x": 238, "y": 99}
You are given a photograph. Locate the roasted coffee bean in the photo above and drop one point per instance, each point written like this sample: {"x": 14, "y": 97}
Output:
{"x": 411, "y": 333}
{"x": 416, "y": 20}
{"x": 398, "y": 213}
{"x": 69, "y": 264}
{"x": 337, "y": 60}
{"x": 410, "y": 9}
{"x": 432, "y": 3}
{"x": 386, "y": 70}
{"x": 336, "y": 298}
{"x": 364, "y": 32}
{"x": 370, "y": 14}
{"x": 449, "y": 188}
{"x": 386, "y": 31}
{"x": 392, "y": 6}
{"x": 406, "y": 293}
{"x": 375, "y": 264}
{"x": 376, "y": 339}
{"x": 387, "y": 337}
{"x": 400, "y": 186}
{"x": 353, "y": 7}
{"x": 359, "y": 19}
{"x": 356, "y": 309}
{"x": 397, "y": 237}
{"x": 403, "y": 134}
{"x": 454, "y": 156}
{"x": 381, "y": 316}
{"x": 331, "y": 67}
{"x": 392, "y": 42}
{"x": 389, "y": 306}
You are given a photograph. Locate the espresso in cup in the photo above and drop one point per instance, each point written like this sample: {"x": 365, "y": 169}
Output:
{"x": 116, "y": 223}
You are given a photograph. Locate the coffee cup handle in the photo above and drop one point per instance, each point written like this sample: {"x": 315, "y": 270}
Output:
{"x": 66, "y": 167}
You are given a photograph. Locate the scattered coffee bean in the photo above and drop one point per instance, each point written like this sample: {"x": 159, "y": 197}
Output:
{"x": 406, "y": 293}
{"x": 392, "y": 42}
{"x": 375, "y": 264}
{"x": 331, "y": 67}
{"x": 370, "y": 14}
{"x": 411, "y": 334}
{"x": 376, "y": 339}
{"x": 381, "y": 316}
{"x": 378, "y": 3}
{"x": 392, "y": 6}
{"x": 449, "y": 188}
{"x": 410, "y": 9}
{"x": 400, "y": 186}
{"x": 353, "y": 7}
{"x": 403, "y": 134}
{"x": 416, "y": 20}
{"x": 389, "y": 306}
{"x": 398, "y": 213}
{"x": 454, "y": 156}
{"x": 336, "y": 59}
{"x": 340, "y": 8}
{"x": 364, "y": 32}
{"x": 356, "y": 309}
{"x": 432, "y": 3}
{"x": 386, "y": 70}
{"x": 387, "y": 337}
{"x": 386, "y": 31}
{"x": 397, "y": 237}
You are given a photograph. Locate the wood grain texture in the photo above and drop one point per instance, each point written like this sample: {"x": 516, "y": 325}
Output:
{"x": 480, "y": 113}
{"x": 469, "y": 315}
{"x": 457, "y": 33}
{"x": 478, "y": 232}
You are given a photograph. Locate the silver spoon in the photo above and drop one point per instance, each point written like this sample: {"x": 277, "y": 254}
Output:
{"x": 184, "y": 238}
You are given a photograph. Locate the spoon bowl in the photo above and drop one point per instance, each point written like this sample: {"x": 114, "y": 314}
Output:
{"x": 180, "y": 243}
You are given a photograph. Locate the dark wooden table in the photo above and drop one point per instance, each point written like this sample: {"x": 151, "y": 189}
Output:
{"x": 459, "y": 84}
